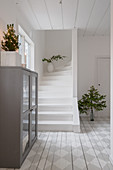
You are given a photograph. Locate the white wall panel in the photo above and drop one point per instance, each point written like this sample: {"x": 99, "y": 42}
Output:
{"x": 59, "y": 42}
{"x": 89, "y": 48}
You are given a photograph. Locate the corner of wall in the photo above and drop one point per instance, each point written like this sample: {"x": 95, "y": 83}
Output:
{"x": 39, "y": 40}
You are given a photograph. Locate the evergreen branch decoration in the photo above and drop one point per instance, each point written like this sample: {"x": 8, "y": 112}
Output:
{"x": 92, "y": 101}
{"x": 10, "y": 42}
{"x": 56, "y": 58}
{"x": 45, "y": 59}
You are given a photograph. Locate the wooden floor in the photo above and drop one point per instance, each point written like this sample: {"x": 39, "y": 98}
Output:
{"x": 88, "y": 150}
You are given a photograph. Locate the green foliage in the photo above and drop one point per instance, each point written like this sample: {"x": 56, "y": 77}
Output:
{"x": 56, "y": 58}
{"x": 92, "y": 100}
{"x": 48, "y": 60}
{"x": 10, "y": 42}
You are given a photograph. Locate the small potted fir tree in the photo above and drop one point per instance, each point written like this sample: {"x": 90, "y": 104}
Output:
{"x": 50, "y": 66}
{"x": 92, "y": 101}
{"x": 10, "y": 45}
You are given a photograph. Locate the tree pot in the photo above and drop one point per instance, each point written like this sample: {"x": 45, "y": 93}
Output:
{"x": 50, "y": 67}
{"x": 10, "y": 58}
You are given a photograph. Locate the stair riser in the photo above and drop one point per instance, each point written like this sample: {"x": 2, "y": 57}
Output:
{"x": 54, "y": 100}
{"x": 57, "y": 70}
{"x": 69, "y": 64}
{"x": 55, "y": 117}
{"x": 57, "y": 95}
{"x": 57, "y": 76}
{"x": 66, "y": 66}
{"x": 55, "y": 127}
{"x": 66, "y": 128}
{"x": 57, "y": 81}
{"x": 60, "y": 84}
{"x": 63, "y": 79}
{"x": 68, "y": 73}
{"x": 55, "y": 108}
{"x": 51, "y": 88}
{"x": 54, "y": 93}
{"x": 64, "y": 69}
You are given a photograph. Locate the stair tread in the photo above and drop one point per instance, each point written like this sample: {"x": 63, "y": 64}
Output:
{"x": 55, "y": 104}
{"x": 51, "y": 122}
{"x": 54, "y": 86}
{"x": 57, "y": 70}
{"x": 53, "y": 113}
{"x": 63, "y": 72}
{"x": 55, "y": 97}
{"x": 52, "y": 91}
{"x": 56, "y": 122}
{"x": 59, "y": 75}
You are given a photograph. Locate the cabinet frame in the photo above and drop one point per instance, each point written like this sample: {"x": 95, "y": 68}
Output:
{"x": 11, "y": 115}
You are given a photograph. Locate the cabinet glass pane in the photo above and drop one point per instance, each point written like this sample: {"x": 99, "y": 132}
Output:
{"x": 33, "y": 91}
{"x": 33, "y": 131}
{"x": 25, "y": 93}
{"x": 26, "y": 125}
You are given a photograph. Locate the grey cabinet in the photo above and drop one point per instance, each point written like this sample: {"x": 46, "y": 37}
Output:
{"x": 18, "y": 115}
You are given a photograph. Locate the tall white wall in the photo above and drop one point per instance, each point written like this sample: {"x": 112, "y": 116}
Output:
{"x": 7, "y": 12}
{"x": 7, "y": 15}
{"x": 39, "y": 40}
{"x": 10, "y": 13}
{"x": 23, "y": 22}
{"x": 89, "y": 48}
{"x": 58, "y": 42}
{"x": 76, "y": 119}
{"x": 111, "y": 90}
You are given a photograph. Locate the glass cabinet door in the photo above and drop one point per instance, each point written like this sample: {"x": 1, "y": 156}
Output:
{"x": 26, "y": 80}
{"x": 29, "y": 111}
{"x": 26, "y": 128}
{"x": 34, "y": 90}
{"x": 33, "y": 126}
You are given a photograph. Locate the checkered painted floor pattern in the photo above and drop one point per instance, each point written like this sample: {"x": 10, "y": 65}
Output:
{"x": 88, "y": 150}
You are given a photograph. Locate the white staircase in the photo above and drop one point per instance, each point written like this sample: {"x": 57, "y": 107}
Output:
{"x": 55, "y": 101}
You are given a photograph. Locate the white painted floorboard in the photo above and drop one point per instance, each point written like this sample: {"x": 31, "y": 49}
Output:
{"x": 88, "y": 150}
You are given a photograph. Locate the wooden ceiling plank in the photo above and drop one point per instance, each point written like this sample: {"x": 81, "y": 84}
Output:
{"x": 54, "y": 9}
{"x": 97, "y": 14}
